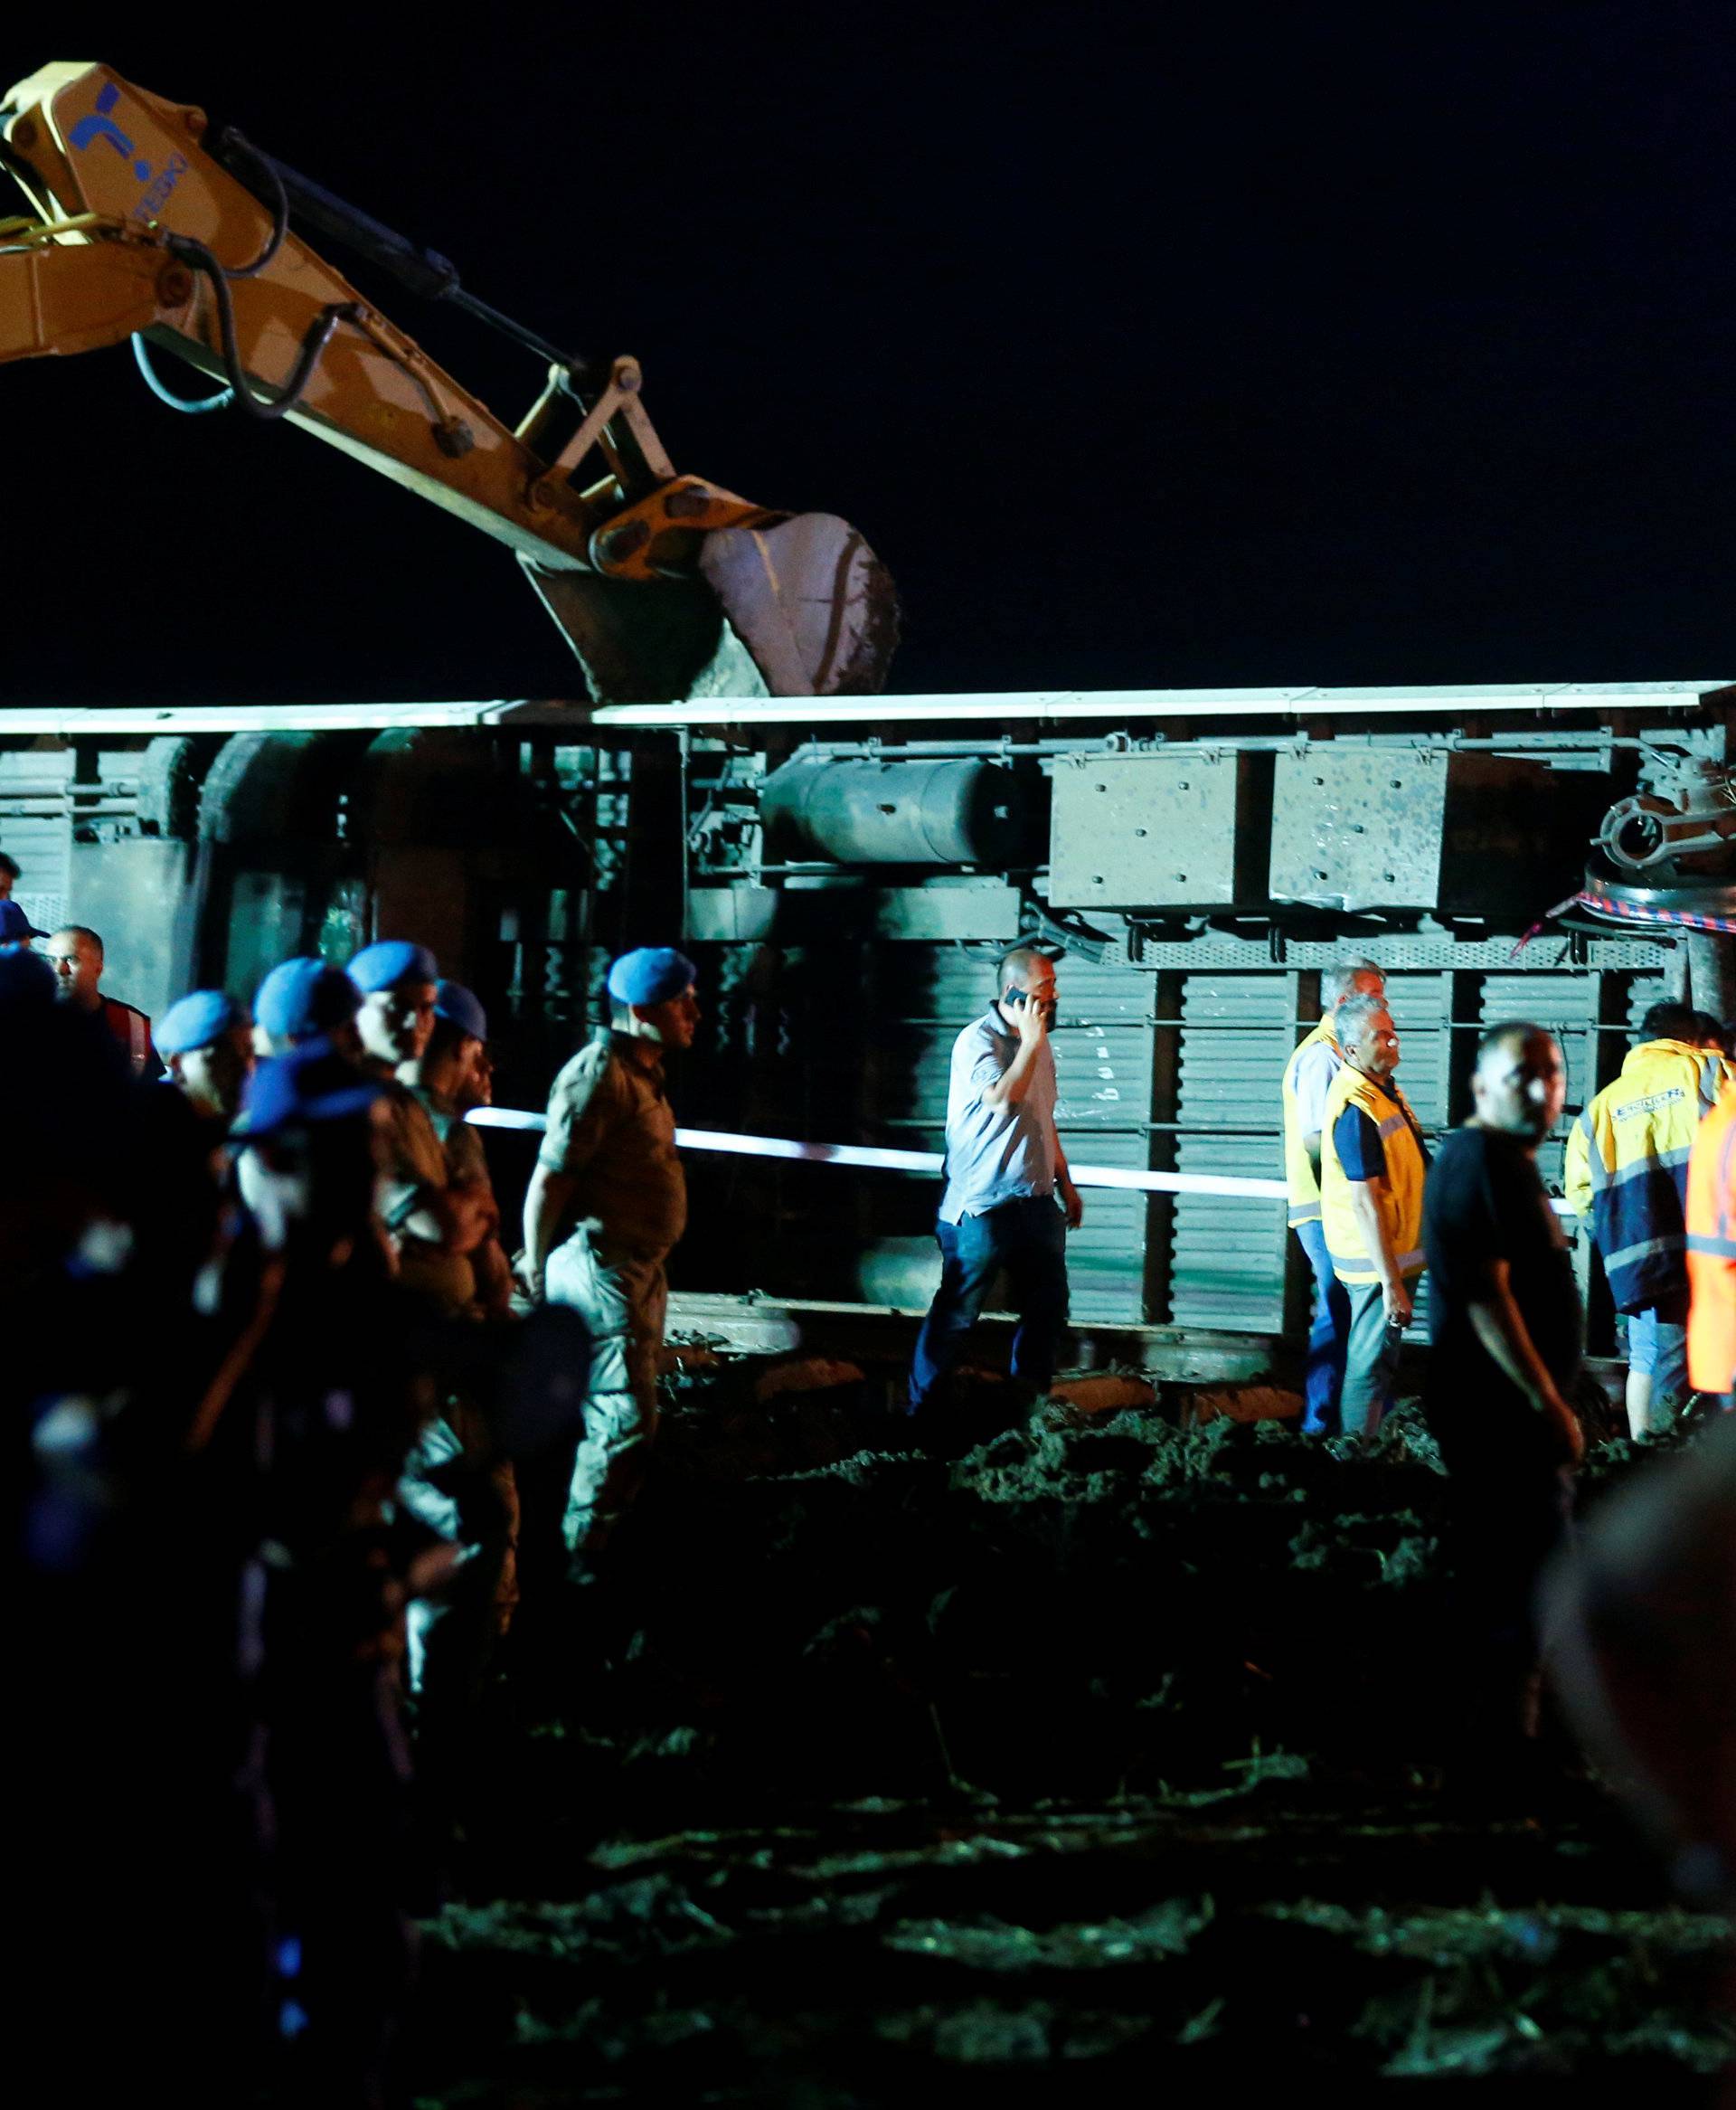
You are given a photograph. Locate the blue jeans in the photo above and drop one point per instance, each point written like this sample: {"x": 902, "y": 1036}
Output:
{"x": 1028, "y": 1239}
{"x": 1328, "y": 1335}
{"x": 1657, "y": 1348}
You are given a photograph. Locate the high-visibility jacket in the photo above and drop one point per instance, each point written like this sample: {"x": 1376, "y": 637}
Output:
{"x": 1712, "y": 1249}
{"x": 1298, "y": 1167}
{"x": 1400, "y": 1197}
{"x": 1627, "y": 1169}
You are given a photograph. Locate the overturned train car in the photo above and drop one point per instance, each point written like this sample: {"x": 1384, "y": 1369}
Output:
{"x": 845, "y": 874}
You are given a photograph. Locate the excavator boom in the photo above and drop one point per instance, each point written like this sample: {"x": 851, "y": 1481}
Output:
{"x": 149, "y": 226}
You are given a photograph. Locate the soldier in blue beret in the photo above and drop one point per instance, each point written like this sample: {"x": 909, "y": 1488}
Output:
{"x": 208, "y": 1044}
{"x": 607, "y": 1171}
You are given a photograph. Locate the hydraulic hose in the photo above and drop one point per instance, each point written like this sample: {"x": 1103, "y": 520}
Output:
{"x": 200, "y": 259}
{"x": 189, "y": 406}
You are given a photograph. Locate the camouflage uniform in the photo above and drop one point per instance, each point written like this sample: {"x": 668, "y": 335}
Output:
{"x": 611, "y": 1130}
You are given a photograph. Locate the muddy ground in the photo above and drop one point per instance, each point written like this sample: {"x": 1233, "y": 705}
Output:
{"x": 1108, "y": 1752}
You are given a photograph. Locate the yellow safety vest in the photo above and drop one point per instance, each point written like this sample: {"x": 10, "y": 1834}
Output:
{"x": 1400, "y": 1203}
{"x": 1298, "y": 1167}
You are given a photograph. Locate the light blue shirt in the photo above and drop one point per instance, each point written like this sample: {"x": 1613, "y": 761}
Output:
{"x": 1315, "y": 1069}
{"x": 997, "y": 1154}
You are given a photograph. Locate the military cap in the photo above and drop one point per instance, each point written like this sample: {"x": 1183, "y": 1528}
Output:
{"x": 652, "y": 975}
{"x": 456, "y": 1004}
{"x": 308, "y": 1086}
{"x": 196, "y": 1021}
{"x": 382, "y": 966}
{"x": 16, "y": 926}
{"x": 301, "y": 997}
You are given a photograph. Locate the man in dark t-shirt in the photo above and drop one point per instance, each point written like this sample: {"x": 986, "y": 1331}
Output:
{"x": 1504, "y": 1328}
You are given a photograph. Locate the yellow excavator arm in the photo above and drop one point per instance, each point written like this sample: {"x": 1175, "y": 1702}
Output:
{"x": 147, "y": 224}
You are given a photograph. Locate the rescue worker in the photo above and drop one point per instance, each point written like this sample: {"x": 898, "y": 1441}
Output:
{"x": 75, "y": 952}
{"x": 305, "y": 999}
{"x": 207, "y": 1042}
{"x": 1711, "y": 1254}
{"x": 1009, "y": 1202}
{"x": 1308, "y": 1078}
{"x": 9, "y": 875}
{"x": 608, "y": 1167}
{"x": 1626, "y": 1175}
{"x": 433, "y": 1224}
{"x": 1372, "y": 1165}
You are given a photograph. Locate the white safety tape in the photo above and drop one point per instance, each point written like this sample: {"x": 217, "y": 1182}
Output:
{"x": 920, "y": 1161}
{"x": 927, "y": 1161}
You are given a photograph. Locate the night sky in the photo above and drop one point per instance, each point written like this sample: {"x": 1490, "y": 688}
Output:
{"x": 1150, "y": 348}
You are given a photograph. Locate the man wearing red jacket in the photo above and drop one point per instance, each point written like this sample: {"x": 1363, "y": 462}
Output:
{"x": 75, "y": 952}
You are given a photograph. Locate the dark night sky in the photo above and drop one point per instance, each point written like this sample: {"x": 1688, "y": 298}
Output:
{"x": 1150, "y": 348}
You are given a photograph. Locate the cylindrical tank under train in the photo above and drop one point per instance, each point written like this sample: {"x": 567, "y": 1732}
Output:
{"x": 846, "y": 876}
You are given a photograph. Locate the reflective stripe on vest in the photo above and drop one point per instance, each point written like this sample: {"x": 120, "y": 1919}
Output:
{"x": 1298, "y": 1167}
{"x": 1400, "y": 1195}
{"x": 1639, "y": 1133}
{"x": 138, "y": 1039}
{"x": 1711, "y": 1257}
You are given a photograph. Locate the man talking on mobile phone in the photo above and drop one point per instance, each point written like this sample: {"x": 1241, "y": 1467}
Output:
{"x": 1009, "y": 1202}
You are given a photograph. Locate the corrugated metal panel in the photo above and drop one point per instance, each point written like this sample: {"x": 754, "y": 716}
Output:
{"x": 36, "y": 827}
{"x": 1567, "y": 1005}
{"x": 1642, "y": 992}
{"x": 1228, "y": 1256}
{"x": 1421, "y": 1005}
{"x": 1103, "y": 1059}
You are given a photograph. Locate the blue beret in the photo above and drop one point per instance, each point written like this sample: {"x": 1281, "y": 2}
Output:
{"x": 304, "y": 997}
{"x": 394, "y": 960}
{"x": 16, "y": 926}
{"x": 652, "y": 975}
{"x": 455, "y": 1003}
{"x": 25, "y": 977}
{"x": 196, "y": 1021}
{"x": 309, "y": 1084}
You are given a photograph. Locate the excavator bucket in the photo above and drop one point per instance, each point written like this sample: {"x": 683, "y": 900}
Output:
{"x": 811, "y": 602}
{"x": 802, "y": 608}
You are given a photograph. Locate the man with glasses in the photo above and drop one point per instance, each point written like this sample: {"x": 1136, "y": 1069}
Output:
{"x": 1372, "y": 1165}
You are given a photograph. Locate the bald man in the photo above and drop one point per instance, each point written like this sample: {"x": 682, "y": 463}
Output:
{"x": 1504, "y": 1327}
{"x": 75, "y": 954}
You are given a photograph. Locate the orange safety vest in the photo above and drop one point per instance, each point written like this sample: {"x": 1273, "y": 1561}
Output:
{"x": 1712, "y": 1249}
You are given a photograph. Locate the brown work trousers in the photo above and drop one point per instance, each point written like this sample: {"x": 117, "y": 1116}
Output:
{"x": 622, "y": 1298}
